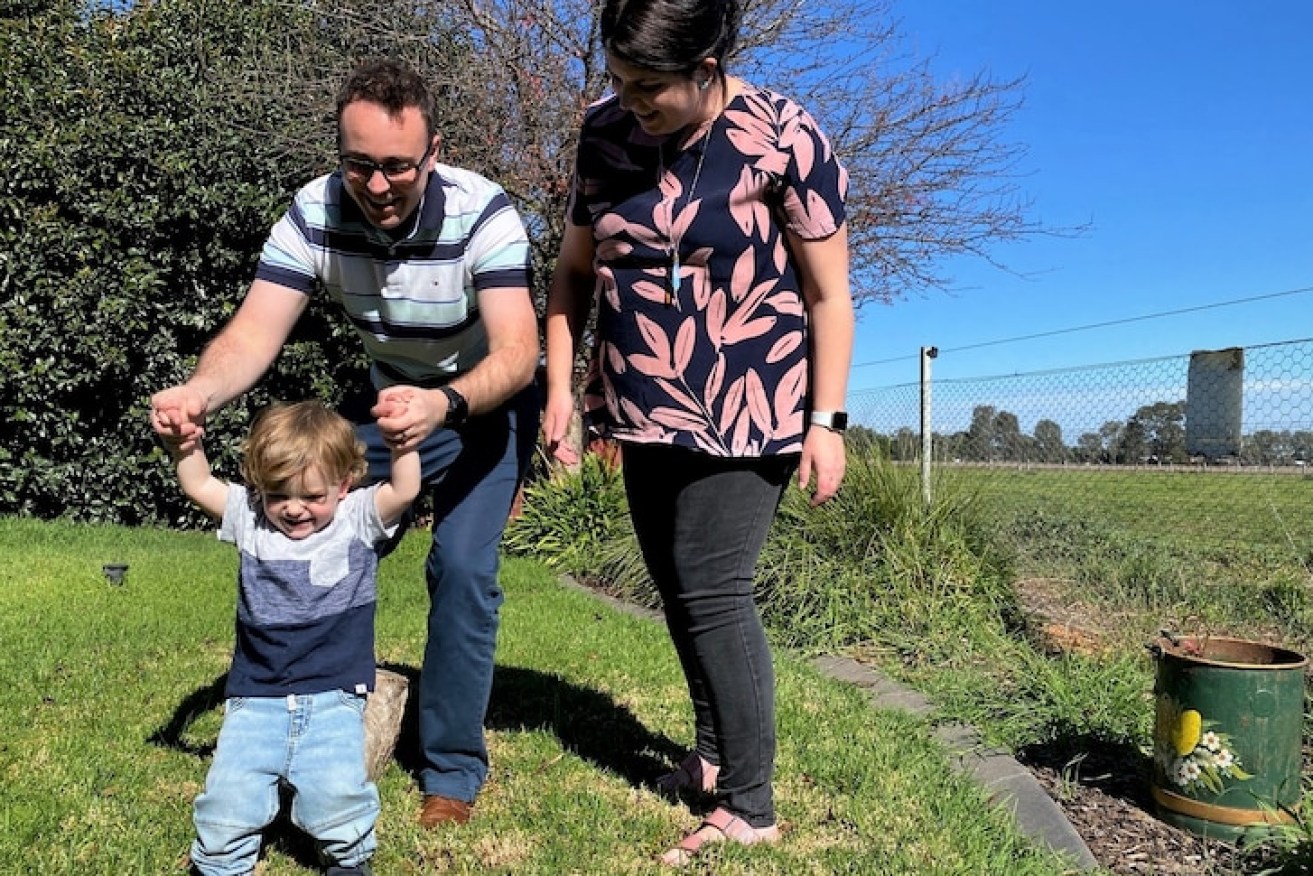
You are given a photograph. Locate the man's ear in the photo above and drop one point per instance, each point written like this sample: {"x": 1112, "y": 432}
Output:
{"x": 435, "y": 146}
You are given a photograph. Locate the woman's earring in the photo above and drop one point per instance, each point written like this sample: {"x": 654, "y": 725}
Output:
{"x": 704, "y": 84}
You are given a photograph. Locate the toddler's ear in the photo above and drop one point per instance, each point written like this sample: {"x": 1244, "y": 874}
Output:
{"x": 344, "y": 488}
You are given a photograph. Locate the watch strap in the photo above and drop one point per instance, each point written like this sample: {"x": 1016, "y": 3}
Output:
{"x": 835, "y": 421}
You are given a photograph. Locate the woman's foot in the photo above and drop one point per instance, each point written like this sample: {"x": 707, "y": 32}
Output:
{"x": 695, "y": 775}
{"x": 719, "y": 826}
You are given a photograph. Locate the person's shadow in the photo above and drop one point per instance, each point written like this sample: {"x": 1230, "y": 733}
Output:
{"x": 587, "y": 722}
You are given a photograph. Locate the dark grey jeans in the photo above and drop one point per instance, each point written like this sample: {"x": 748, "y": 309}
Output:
{"x": 701, "y": 522}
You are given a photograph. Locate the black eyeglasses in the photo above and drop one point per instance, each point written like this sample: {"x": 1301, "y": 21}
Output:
{"x": 363, "y": 169}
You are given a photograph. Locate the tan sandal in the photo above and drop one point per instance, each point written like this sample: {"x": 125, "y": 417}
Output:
{"x": 694, "y": 775}
{"x": 720, "y": 826}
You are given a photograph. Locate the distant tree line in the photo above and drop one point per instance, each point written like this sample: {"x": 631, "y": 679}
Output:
{"x": 1154, "y": 434}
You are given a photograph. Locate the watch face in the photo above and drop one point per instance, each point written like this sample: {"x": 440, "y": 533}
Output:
{"x": 840, "y": 421}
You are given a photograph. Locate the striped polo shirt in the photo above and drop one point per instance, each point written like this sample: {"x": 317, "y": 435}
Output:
{"x": 413, "y": 299}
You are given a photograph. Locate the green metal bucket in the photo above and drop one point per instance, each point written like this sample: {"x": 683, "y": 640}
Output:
{"x": 1227, "y": 734}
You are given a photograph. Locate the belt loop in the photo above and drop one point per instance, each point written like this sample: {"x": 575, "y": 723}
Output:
{"x": 291, "y": 702}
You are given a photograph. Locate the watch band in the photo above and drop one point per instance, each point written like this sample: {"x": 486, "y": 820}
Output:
{"x": 458, "y": 408}
{"x": 835, "y": 421}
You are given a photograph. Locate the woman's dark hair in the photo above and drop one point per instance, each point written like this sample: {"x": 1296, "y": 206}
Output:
{"x": 670, "y": 36}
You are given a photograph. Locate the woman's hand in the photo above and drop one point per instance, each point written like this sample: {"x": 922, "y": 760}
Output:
{"x": 823, "y": 460}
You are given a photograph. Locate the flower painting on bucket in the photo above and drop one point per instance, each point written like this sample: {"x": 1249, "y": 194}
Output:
{"x": 1191, "y": 754}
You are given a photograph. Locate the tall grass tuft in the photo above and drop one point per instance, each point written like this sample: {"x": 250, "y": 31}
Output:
{"x": 877, "y": 563}
{"x": 569, "y": 516}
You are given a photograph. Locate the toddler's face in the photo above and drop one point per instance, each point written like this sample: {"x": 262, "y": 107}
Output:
{"x": 304, "y": 505}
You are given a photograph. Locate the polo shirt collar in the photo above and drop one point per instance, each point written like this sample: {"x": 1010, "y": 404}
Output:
{"x": 427, "y": 218}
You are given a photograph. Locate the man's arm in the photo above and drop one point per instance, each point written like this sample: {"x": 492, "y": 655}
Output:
{"x": 512, "y": 330}
{"x": 232, "y": 362}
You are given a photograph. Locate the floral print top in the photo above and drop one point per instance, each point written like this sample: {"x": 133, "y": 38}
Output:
{"x": 716, "y": 360}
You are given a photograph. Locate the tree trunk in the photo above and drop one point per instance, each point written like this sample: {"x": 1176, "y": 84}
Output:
{"x": 383, "y": 714}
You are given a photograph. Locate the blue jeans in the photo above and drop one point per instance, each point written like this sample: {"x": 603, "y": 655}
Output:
{"x": 315, "y": 745}
{"x": 474, "y": 472}
{"x": 701, "y": 522}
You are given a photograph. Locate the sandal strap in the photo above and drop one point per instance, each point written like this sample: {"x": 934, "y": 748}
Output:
{"x": 731, "y": 826}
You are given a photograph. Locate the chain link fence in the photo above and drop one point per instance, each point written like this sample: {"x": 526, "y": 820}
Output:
{"x": 1211, "y": 448}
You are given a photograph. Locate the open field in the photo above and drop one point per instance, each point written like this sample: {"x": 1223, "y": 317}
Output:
{"x": 1204, "y": 506}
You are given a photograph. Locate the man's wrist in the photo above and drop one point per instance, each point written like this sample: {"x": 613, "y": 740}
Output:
{"x": 458, "y": 407}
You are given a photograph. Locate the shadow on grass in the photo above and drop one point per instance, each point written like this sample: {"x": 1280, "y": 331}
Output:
{"x": 174, "y": 733}
{"x": 588, "y": 723}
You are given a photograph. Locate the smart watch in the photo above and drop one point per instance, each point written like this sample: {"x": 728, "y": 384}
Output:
{"x": 458, "y": 408}
{"x": 835, "y": 421}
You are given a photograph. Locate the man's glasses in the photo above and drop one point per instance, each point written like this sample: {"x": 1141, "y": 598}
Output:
{"x": 363, "y": 169}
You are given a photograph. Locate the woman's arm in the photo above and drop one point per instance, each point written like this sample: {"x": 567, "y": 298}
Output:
{"x": 823, "y": 267}
{"x": 568, "y": 301}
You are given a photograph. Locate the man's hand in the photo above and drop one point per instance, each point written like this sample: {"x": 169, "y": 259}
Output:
{"x": 406, "y": 415}
{"x": 178, "y": 417}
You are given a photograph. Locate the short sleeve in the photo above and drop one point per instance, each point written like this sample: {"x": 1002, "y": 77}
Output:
{"x": 815, "y": 184}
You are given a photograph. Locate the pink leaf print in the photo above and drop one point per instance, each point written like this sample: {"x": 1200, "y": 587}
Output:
{"x": 800, "y": 143}
{"x": 652, "y": 366}
{"x": 737, "y": 332}
{"x": 716, "y": 317}
{"x": 781, "y": 254}
{"x": 788, "y": 399}
{"x": 632, "y": 412}
{"x": 685, "y": 339}
{"x": 733, "y": 403}
{"x": 758, "y": 405}
{"x": 788, "y": 303}
{"x": 743, "y": 197}
{"x": 783, "y": 347}
{"x": 734, "y": 328}
{"x": 740, "y": 281}
{"x": 701, "y": 287}
{"x": 677, "y": 419}
{"x": 677, "y": 394}
{"x": 656, "y": 339}
{"x": 650, "y": 291}
{"x": 685, "y": 219}
{"x": 790, "y": 391}
{"x": 614, "y": 360}
{"x": 609, "y": 293}
{"x": 742, "y": 432}
{"x": 714, "y": 379}
{"x": 609, "y": 249}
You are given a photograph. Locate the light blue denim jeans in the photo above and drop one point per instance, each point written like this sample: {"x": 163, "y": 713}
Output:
{"x": 314, "y": 745}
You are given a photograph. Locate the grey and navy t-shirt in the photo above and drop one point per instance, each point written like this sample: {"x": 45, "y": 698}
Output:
{"x": 305, "y": 608}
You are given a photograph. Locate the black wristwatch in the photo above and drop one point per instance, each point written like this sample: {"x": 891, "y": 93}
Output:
{"x": 835, "y": 421}
{"x": 458, "y": 409}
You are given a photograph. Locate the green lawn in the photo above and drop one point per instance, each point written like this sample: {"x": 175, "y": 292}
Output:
{"x": 1199, "y": 506}
{"x": 108, "y": 693}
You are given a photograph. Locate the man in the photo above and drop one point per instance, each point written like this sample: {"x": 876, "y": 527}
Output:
{"x": 431, "y": 265}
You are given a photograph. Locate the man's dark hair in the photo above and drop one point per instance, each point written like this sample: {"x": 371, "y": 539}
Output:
{"x": 393, "y": 86}
{"x": 670, "y": 36}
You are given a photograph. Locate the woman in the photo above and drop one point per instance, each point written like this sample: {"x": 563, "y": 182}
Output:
{"x": 707, "y": 218}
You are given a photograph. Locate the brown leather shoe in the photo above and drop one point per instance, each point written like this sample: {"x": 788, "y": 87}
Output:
{"x": 443, "y": 810}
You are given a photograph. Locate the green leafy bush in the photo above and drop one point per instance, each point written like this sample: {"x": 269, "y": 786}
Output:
{"x": 571, "y": 516}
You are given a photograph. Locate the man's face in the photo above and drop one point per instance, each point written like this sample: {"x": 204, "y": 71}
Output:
{"x": 386, "y": 161}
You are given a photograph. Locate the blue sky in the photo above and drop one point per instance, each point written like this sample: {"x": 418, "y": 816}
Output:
{"x": 1182, "y": 130}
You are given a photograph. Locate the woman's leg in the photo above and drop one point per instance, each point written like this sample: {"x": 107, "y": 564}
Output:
{"x": 701, "y": 522}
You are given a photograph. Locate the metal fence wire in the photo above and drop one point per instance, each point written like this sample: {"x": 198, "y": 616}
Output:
{"x": 1212, "y": 446}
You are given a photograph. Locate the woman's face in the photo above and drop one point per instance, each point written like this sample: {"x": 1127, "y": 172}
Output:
{"x": 662, "y": 102}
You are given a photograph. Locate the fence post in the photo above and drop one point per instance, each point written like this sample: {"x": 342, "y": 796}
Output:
{"x": 927, "y": 426}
